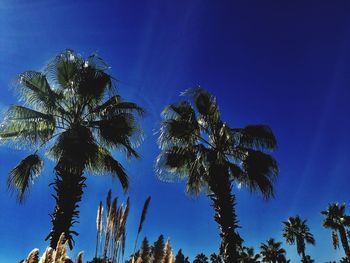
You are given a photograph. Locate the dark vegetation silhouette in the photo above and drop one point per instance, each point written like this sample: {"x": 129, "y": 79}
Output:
{"x": 339, "y": 223}
{"x": 296, "y": 231}
{"x": 272, "y": 252}
{"x": 198, "y": 145}
{"x": 201, "y": 258}
{"x": 71, "y": 110}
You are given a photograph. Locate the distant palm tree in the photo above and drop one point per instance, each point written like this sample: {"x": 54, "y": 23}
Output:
{"x": 248, "y": 255}
{"x": 272, "y": 252}
{"x": 338, "y": 221}
{"x": 307, "y": 259}
{"x": 198, "y": 145}
{"x": 297, "y": 231}
{"x": 201, "y": 258}
{"x": 71, "y": 111}
{"x": 215, "y": 258}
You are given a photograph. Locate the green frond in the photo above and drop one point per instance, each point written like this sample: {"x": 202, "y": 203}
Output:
{"x": 63, "y": 69}
{"x": 21, "y": 113}
{"x": 260, "y": 171}
{"x": 256, "y": 137}
{"x": 23, "y": 175}
{"x": 36, "y": 91}
{"x": 27, "y": 125}
{"x": 104, "y": 163}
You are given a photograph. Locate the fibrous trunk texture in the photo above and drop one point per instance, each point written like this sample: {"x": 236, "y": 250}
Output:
{"x": 225, "y": 214}
{"x": 68, "y": 184}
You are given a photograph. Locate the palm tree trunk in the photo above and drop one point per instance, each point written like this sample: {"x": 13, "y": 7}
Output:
{"x": 68, "y": 184}
{"x": 344, "y": 241}
{"x": 225, "y": 215}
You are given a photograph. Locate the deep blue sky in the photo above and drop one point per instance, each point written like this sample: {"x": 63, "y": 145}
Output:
{"x": 282, "y": 63}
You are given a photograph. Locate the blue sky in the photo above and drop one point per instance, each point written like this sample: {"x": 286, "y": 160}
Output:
{"x": 281, "y": 63}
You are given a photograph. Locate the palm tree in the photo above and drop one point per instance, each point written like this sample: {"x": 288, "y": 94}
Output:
{"x": 198, "y": 145}
{"x": 201, "y": 258}
{"x": 248, "y": 255}
{"x": 72, "y": 111}
{"x": 272, "y": 252}
{"x": 297, "y": 231}
{"x": 337, "y": 221}
{"x": 215, "y": 258}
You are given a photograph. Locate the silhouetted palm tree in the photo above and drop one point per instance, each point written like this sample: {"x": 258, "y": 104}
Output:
{"x": 337, "y": 221}
{"x": 72, "y": 112}
{"x": 248, "y": 255}
{"x": 215, "y": 258}
{"x": 297, "y": 231}
{"x": 272, "y": 252}
{"x": 198, "y": 145}
{"x": 201, "y": 258}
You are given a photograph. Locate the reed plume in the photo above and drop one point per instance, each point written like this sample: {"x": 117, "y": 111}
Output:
{"x": 59, "y": 255}
{"x": 33, "y": 256}
{"x": 142, "y": 220}
{"x": 47, "y": 257}
{"x": 99, "y": 226}
{"x": 80, "y": 257}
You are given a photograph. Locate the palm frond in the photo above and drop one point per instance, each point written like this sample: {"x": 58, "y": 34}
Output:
{"x": 205, "y": 103}
{"x": 256, "y": 136}
{"x": 115, "y": 105}
{"x": 120, "y": 131}
{"x": 35, "y": 90}
{"x": 23, "y": 175}
{"x": 260, "y": 171}
{"x": 105, "y": 163}
{"x": 27, "y": 125}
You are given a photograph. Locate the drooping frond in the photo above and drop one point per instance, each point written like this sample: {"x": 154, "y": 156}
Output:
{"x": 27, "y": 126}
{"x": 104, "y": 163}
{"x": 258, "y": 137}
{"x": 23, "y": 175}
{"x": 260, "y": 171}
{"x": 120, "y": 131}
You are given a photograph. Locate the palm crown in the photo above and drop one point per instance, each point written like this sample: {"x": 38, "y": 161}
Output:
{"x": 271, "y": 251}
{"x": 71, "y": 111}
{"x": 196, "y": 144}
{"x": 194, "y": 138}
{"x": 297, "y": 231}
{"x": 338, "y": 222}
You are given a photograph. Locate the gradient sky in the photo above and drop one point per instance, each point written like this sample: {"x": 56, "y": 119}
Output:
{"x": 281, "y": 63}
